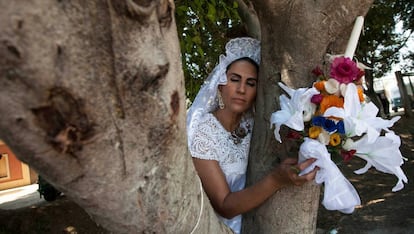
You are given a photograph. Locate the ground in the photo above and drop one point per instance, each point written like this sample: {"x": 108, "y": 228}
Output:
{"x": 382, "y": 211}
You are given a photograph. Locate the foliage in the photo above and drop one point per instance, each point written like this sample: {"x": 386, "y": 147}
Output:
{"x": 205, "y": 26}
{"x": 203, "y": 29}
{"x": 380, "y": 44}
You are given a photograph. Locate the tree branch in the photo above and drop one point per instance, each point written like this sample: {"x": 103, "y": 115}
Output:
{"x": 249, "y": 17}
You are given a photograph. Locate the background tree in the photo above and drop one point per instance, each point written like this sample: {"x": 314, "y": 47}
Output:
{"x": 204, "y": 27}
{"x": 92, "y": 97}
{"x": 381, "y": 43}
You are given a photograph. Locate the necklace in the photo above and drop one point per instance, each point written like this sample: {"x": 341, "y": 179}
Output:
{"x": 239, "y": 133}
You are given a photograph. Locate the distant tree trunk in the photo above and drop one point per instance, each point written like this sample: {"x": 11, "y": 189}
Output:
{"x": 370, "y": 92}
{"x": 295, "y": 37}
{"x": 92, "y": 97}
{"x": 404, "y": 94}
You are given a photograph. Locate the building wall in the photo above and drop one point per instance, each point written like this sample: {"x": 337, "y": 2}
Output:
{"x": 13, "y": 173}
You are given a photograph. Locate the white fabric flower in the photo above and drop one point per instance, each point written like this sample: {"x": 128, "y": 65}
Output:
{"x": 332, "y": 86}
{"x": 339, "y": 194}
{"x": 292, "y": 110}
{"x": 324, "y": 137}
{"x": 360, "y": 118}
{"x": 384, "y": 155}
{"x": 308, "y": 111}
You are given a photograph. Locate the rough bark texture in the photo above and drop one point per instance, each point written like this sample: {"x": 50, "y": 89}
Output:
{"x": 92, "y": 97}
{"x": 296, "y": 35}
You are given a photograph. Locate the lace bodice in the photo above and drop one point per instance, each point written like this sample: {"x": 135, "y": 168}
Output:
{"x": 212, "y": 142}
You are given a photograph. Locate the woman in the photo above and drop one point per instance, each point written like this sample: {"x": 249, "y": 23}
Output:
{"x": 219, "y": 125}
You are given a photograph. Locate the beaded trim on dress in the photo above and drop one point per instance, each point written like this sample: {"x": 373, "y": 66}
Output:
{"x": 240, "y": 132}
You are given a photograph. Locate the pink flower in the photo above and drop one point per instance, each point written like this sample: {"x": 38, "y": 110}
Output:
{"x": 347, "y": 155}
{"x": 344, "y": 70}
{"x": 294, "y": 135}
{"x": 317, "y": 98}
{"x": 317, "y": 71}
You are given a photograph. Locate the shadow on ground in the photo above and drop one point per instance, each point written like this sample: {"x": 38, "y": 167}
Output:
{"x": 381, "y": 210}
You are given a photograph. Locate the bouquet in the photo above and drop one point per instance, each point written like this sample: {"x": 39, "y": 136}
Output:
{"x": 335, "y": 123}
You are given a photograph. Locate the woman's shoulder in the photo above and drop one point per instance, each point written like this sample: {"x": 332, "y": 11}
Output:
{"x": 208, "y": 120}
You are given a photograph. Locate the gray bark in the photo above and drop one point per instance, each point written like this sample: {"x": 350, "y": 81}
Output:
{"x": 92, "y": 97}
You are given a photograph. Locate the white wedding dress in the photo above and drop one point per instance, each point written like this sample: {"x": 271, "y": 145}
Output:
{"x": 212, "y": 142}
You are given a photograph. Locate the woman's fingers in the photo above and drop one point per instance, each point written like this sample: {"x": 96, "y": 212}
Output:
{"x": 306, "y": 163}
{"x": 293, "y": 169}
{"x": 299, "y": 180}
{"x": 290, "y": 161}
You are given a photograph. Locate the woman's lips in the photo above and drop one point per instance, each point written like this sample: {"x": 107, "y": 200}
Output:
{"x": 239, "y": 100}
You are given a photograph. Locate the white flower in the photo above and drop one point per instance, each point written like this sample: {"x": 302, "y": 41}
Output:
{"x": 291, "y": 111}
{"x": 308, "y": 111}
{"x": 360, "y": 118}
{"x": 332, "y": 86}
{"x": 324, "y": 137}
{"x": 342, "y": 88}
{"x": 384, "y": 155}
{"x": 339, "y": 194}
{"x": 348, "y": 144}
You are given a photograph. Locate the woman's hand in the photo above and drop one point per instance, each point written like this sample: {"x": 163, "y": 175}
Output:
{"x": 287, "y": 173}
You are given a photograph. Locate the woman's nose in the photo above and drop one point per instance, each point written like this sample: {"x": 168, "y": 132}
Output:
{"x": 241, "y": 88}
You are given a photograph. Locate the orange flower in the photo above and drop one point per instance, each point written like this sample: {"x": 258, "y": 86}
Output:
{"x": 361, "y": 94}
{"x": 335, "y": 139}
{"x": 330, "y": 101}
{"x": 320, "y": 86}
{"x": 314, "y": 132}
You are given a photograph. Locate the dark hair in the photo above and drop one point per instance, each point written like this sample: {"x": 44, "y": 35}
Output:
{"x": 244, "y": 59}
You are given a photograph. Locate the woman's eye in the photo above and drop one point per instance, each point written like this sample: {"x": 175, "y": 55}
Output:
{"x": 234, "y": 78}
{"x": 251, "y": 83}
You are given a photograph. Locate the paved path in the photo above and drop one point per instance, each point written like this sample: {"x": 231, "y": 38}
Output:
{"x": 20, "y": 197}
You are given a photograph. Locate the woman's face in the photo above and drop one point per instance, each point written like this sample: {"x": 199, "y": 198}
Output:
{"x": 240, "y": 91}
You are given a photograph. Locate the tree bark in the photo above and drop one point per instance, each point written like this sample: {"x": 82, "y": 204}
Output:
{"x": 370, "y": 92}
{"x": 249, "y": 17}
{"x": 92, "y": 98}
{"x": 405, "y": 98}
{"x": 296, "y": 35}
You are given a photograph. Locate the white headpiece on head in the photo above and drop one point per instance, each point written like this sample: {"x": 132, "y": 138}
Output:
{"x": 206, "y": 99}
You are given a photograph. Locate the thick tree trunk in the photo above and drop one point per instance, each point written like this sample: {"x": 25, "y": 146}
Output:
{"x": 92, "y": 97}
{"x": 295, "y": 35}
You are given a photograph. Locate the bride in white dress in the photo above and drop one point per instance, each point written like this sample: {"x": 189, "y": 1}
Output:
{"x": 219, "y": 127}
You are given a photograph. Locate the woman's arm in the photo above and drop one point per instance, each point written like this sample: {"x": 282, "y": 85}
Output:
{"x": 229, "y": 204}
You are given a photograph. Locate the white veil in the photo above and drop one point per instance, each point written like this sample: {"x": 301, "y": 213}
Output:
{"x": 206, "y": 100}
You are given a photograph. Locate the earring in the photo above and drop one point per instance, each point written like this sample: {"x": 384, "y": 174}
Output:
{"x": 220, "y": 100}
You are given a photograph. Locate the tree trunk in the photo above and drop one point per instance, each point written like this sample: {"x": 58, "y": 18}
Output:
{"x": 370, "y": 92}
{"x": 405, "y": 98}
{"x": 92, "y": 97}
{"x": 295, "y": 35}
